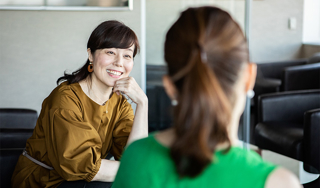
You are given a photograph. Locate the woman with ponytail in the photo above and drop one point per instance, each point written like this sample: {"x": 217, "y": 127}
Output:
{"x": 209, "y": 75}
{"x": 87, "y": 117}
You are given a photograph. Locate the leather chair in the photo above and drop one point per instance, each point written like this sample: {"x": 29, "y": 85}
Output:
{"x": 269, "y": 80}
{"x": 288, "y": 75}
{"x": 16, "y": 126}
{"x": 288, "y": 125}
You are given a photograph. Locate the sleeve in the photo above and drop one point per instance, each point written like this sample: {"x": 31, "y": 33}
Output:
{"x": 74, "y": 146}
{"x": 122, "y": 130}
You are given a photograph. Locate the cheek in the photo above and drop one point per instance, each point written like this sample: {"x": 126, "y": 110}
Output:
{"x": 102, "y": 61}
{"x": 128, "y": 68}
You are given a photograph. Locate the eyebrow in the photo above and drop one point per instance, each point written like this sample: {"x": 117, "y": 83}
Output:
{"x": 129, "y": 49}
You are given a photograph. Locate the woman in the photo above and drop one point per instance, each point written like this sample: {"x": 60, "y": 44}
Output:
{"x": 86, "y": 117}
{"x": 209, "y": 75}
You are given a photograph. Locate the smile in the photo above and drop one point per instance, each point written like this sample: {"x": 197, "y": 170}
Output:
{"x": 117, "y": 73}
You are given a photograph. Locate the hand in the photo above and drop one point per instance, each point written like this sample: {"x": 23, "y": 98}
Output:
{"x": 130, "y": 87}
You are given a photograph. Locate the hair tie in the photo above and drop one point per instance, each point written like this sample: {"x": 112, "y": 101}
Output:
{"x": 204, "y": 58}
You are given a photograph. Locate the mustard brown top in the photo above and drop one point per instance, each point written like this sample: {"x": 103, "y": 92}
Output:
{"x": 72, "y": 135}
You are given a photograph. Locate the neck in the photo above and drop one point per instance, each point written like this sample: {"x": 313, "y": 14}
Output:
{"x": 96, "y": 90}
{"x": 233, "y": 130}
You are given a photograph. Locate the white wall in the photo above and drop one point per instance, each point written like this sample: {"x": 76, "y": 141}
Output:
{"x": 161, "y": 14}
{"x": 36, "y": 47}
{"x": 270, "y": 37}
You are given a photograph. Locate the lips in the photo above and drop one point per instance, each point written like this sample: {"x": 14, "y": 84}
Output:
{"x": 114, "y": 73}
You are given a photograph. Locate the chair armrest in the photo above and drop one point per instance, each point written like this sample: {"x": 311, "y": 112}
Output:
{"x": 311, "y": 141}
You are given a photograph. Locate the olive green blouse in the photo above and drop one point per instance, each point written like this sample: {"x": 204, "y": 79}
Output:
{"x": 72, "y": 135}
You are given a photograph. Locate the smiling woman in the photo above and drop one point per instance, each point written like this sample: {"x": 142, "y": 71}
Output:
{"x": 86, "y": 117}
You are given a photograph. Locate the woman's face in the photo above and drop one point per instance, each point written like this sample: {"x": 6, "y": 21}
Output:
{"x": 111, "y": 64}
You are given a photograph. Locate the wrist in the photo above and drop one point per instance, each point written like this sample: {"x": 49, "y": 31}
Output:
{"x": 143, "y": 101}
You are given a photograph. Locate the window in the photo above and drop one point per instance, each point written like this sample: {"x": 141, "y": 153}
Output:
{"x": 311, "y": 22}
{"x": 66, "y": 4}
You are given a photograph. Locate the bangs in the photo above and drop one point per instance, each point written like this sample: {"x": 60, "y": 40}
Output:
{"x": 113, "y": 34}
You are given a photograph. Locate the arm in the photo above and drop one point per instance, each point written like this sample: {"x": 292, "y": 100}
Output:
{"x": 140, "y": 123}
{"x": 282, "y": 178}
{"x": 73, "y": 145}
{"x": 130, "y": 87}
{"x": 107, "y": 171}
{"x": 109, "y": 168}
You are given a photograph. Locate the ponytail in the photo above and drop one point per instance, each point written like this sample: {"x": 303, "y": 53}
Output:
{"x": 201, "y": 117}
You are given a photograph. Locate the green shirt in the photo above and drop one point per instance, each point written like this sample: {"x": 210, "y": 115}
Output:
{"x": 147, "y": 164}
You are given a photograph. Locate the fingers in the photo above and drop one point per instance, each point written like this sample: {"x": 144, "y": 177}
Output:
{"x": 123, "y": 88}
{"x": 125, "y": 84}
{"x": 126, "y": 80}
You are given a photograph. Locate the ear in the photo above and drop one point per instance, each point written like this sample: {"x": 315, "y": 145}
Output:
{"x": 89, "y": 55}
{"x": 169, "y": 87}
{"x": 251, "y": 76}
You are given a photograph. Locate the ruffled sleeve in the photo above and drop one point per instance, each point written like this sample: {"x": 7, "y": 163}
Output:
{"x": 122, "y": 130}
{"x": 74, "y": 146}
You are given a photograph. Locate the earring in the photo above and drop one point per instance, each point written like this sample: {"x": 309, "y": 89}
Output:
{"x": 174, "y": 102}
{"x": 250, "y": 94}
{"x": 90, "y": 67}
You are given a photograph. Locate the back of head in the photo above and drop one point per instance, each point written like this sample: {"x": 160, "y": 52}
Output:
{"x": 205, "y": 51}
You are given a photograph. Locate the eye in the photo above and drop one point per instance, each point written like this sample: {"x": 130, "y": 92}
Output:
{"x": 110, "y": 52}
{"x": 127, "y": 56}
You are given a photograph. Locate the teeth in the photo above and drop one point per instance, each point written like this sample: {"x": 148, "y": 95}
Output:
{"x": 114, "y": 72}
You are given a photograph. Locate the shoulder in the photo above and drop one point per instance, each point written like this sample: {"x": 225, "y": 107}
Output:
{"x": 246, "y": 164}
{"x": 138, "y": 162}
{"x": 282, "y": 178}
{"x": 146, "y": 147}
{"x": 66, "y": 96}
{"x": 140, "y": 146}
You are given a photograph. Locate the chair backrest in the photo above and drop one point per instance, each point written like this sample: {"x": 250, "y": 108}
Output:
{"x": 301, "y": 77}
{"x": 314, "y": 59}
{"x": 274, "y": 69}
{"x": 16, "y": 126}
{"x": 287, "y": 106}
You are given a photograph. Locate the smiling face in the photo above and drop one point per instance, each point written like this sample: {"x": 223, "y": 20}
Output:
{"x": 111, "y": 64}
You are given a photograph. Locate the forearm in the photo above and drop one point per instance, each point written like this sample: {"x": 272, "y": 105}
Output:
{"x": 140, "y": 123}
{"x": 107, "y": 171}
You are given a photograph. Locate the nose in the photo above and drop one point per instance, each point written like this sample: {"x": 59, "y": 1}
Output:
{"x": 118, "y": 61}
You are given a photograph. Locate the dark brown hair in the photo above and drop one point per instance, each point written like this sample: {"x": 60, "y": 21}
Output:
{"x": 205, "y": 51}
{"x": 109, "y": 34}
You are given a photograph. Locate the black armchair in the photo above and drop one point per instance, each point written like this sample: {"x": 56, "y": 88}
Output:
{"x": 288, "y": 125}
{"x": 270, "y": 80}
{"x": 16, "y": 126}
